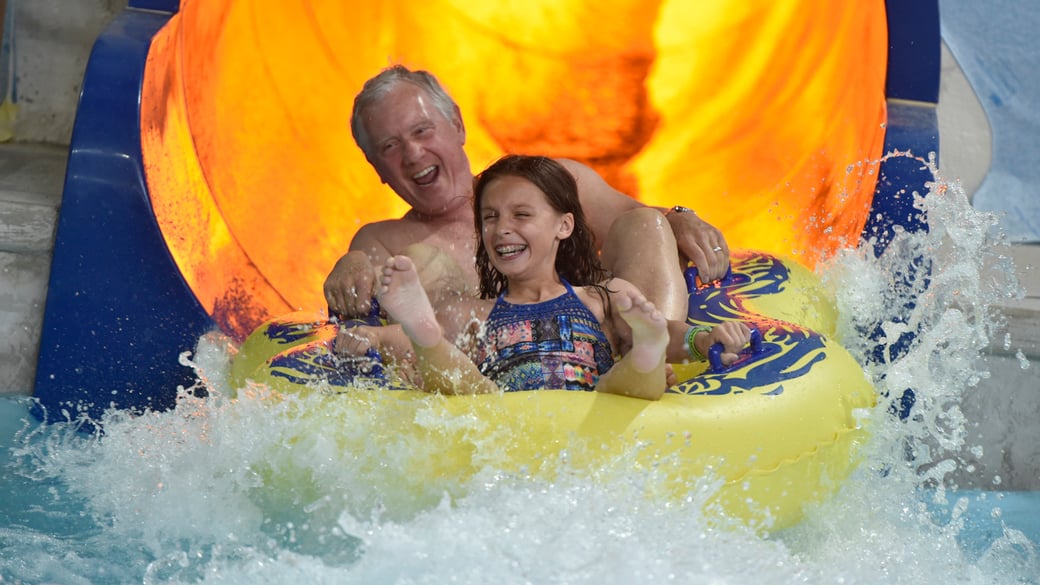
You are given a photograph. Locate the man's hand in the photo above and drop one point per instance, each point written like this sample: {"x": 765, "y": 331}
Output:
{"x": 350, "y": 286}
{"x": 700, "y": 243}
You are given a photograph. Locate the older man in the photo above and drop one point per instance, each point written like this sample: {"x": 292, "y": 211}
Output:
{"x": 412, "y": 133}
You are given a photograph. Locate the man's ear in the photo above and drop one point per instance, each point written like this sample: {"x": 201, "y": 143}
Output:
{"x": 460, "y": 127}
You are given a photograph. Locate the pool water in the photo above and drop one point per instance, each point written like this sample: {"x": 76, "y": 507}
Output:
{"x": 179, "y": 496}
{"x": 55, "y": 531}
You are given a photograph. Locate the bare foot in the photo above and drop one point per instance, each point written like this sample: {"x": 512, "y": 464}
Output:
{"x": 649, "y": 330}
{"x": 405, "y": 300}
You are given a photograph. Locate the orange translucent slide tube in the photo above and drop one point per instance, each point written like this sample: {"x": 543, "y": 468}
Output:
{"x": 765, "y": 116}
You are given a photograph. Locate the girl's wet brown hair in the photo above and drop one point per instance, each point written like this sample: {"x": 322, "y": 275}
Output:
{"x": 576, "y": 260}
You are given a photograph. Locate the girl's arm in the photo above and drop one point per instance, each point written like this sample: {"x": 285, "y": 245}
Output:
{"x": 733, "y": 335}
{"x": 456, "y": 318}
{"x": 389, "y": 340}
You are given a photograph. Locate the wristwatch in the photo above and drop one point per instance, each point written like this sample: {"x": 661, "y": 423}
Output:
{"x": 679, "y": 209}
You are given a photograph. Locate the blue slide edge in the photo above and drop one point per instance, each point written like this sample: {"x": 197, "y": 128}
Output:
{"x": 118, "y": 311}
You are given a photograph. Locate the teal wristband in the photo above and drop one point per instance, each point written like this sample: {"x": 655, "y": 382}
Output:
{"x": 691, "y": 349}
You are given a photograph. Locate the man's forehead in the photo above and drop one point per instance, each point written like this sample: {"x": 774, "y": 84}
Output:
{"x": 405, "y": 98}
{"x": 401, "y": 108}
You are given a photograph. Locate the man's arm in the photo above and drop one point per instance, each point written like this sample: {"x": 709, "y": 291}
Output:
{"x": 601, "y": 203}
{"x": 697, "y": 240}
{"x": 350, "y": 287}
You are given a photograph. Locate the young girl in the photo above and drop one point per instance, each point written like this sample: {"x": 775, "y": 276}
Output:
{"x": 553, "y": 318}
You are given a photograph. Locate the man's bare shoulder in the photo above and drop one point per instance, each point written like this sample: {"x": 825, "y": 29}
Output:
{"x": 380, "y": 227}
{"x": 407, "y": 221}
{"x": 392, "y": 234}
{"x": 576, "y": 168}
{"x": 376, "y": 228}
{"x": 378, "y": 234}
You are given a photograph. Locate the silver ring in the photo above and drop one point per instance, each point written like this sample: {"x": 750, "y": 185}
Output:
{"x": 717, "y": 249}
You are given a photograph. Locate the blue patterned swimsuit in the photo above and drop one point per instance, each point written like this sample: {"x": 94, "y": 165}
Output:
{"x": 553, "y": 344}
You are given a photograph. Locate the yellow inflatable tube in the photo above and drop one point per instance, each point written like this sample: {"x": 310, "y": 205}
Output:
{"x": 758, "y": 285}
{"x": 775, "y": 432}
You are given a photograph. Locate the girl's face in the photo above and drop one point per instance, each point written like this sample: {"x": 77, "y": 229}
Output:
{"x": 520, "y": 230}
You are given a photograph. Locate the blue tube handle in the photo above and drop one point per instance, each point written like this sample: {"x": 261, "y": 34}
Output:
{"x": 375, "y": 363}
{"x": 691, "y": 275}
{"x": 371, "y": 319}
{"x": 715, "y": 351}
{"x": 372, "y": 362}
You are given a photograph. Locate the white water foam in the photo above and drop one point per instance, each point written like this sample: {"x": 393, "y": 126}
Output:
{"x": 179, "y": 496}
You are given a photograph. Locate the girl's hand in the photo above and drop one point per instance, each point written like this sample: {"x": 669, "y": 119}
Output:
{"x": 355, "y": 341}
{"x": 733, "y": 335}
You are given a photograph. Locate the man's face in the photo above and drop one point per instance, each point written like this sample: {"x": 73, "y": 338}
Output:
{"x": 418, "y": 152}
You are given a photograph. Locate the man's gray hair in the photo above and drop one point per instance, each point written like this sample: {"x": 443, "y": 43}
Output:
{"x": 378, "y": 87}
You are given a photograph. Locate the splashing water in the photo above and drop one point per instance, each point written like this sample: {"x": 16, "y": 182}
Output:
{"x": 179, "y": 497}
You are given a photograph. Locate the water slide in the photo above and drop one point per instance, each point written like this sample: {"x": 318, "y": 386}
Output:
{"x": 212, "y": 180}
{"x": 994, "y": 44}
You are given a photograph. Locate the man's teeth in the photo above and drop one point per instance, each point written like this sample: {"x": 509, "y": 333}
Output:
{"x": 424, "y": 172}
